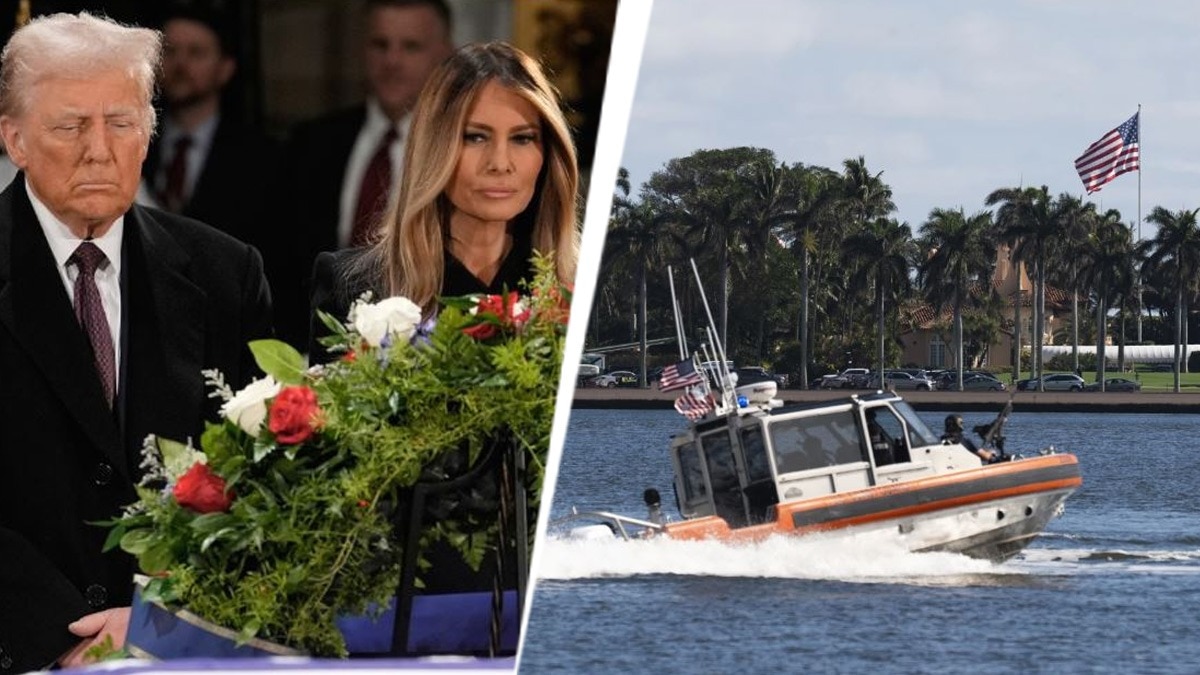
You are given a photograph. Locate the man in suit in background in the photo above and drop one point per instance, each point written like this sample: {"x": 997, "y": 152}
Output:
{"x": 203, "y": 164}
{"x": 343, "y": 168}
{"x": 108, "y": 313}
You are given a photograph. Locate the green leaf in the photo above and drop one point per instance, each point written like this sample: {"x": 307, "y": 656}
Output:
{"x": 279, "y": 360}
{"x": 114, "y": 538}
{"x": 262, "y": 450}
{"x": 214, "y": 537}
{"x": 177, "y": 457}
{"x": 156, "y": 559}
{"x": 137, "y": 541}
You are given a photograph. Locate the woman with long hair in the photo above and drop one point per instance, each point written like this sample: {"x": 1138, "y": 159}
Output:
{"x": 490, "y": 176}
{"x": 490, "y": 179}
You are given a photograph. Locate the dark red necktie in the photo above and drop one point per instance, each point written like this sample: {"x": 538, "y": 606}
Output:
{"x": 372, "y": 193}
{"x": 176, "y": 175}
{"x": 90, "y": 313}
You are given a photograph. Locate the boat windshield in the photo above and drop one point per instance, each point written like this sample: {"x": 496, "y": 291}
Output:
{"x": 919, "y": 434}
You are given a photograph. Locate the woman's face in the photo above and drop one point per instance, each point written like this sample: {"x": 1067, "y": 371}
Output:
{"x": 500, "y": 158}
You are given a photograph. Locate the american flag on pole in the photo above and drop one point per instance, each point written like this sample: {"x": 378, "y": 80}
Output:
{"x": 693, "y": 406}
{"x": 679, "y": 375}
{"x": 1114, "y": 154}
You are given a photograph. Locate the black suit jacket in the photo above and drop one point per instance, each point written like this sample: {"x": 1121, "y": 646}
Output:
{"x": 236, "y": 185}
{"x": 191, "y": 299}
{"x": 315, "y": 159}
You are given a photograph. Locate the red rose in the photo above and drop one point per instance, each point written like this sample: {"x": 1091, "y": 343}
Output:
{"x": 481, "y": 331}
{"x": 350, "y": 356}
{"x": 202, "y": 491}
{"x": 491, "y": 304}
{"x": 294, "y": 415}
{"x": 507, "y": 309}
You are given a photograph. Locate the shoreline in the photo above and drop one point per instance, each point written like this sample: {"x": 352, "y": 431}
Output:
{"x": 965, "y": 401}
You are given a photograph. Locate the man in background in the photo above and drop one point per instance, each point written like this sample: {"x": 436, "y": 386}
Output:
{"x": 203, "y": 163}
{"x": 342, "y": 169}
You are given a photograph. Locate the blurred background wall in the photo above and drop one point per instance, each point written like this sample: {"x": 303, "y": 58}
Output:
{"x": 300, "y": 58}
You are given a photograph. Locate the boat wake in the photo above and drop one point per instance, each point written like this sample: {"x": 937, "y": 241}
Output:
{"x": 1107, "y": 559}
{"x": 861, "y": 557}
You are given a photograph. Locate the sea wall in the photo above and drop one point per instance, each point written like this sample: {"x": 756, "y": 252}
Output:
{"x": 964, "y": 401}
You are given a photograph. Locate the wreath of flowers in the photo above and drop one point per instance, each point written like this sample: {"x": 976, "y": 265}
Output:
{"x": 281, "y": 520}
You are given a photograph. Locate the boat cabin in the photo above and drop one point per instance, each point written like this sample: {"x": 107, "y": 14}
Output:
{"x": 739, "y": 466}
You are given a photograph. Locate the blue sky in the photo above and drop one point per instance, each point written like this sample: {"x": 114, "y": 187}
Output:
{"x": 950, "y": 100}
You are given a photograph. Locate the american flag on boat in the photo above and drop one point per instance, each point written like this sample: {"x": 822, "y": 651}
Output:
{"x": 680, "y": 375}
{"x": 694, "y": 406}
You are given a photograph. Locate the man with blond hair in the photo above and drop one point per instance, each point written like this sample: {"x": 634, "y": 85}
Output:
{"x": 109, "y": 312}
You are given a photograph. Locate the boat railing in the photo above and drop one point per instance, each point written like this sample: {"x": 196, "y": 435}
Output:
{"x": 620, "y": 526}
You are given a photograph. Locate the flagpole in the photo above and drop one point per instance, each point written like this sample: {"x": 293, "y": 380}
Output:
{"x": 1141, "y": 167}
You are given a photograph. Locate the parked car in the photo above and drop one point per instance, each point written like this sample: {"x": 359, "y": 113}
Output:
{"x": 948, "y": 379}
{"x": 979, "y": 382}
{"x": 1054, "y": 382}
{"x": 751, "y": 374}
{"x": 617, "y": 378}
{"x": 850, "y": 378}
{"x": 899, "y": 380}
{"x": 1115, "y": 384}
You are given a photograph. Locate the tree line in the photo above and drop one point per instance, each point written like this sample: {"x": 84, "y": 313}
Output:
{"x": 808, "y": 271}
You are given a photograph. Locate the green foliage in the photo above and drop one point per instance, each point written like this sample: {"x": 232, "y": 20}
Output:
{"x": 309, "y": 532}
{"x": 1066, "y": 362}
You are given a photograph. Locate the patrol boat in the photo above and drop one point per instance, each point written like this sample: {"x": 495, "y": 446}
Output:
{"x": 749, "y": 467}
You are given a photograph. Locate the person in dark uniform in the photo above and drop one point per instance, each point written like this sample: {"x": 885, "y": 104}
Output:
{"x": 881, "y": 443}
{"x": 954, "y": 434}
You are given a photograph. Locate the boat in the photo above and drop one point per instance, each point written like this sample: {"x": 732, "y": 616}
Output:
{"x": 748, "y": 468}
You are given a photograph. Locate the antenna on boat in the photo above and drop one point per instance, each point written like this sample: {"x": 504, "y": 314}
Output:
{"x": 723, "y": 377}
{"x": 680, "y": 336}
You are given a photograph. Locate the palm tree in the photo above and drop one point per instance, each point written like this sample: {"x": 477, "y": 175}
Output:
{"x": 637, "y": 236}
{"x": 880, "y": 253}
{"x": 1106, "y": 266}
{"x": 1026, "y": 222}
{"x": 1175, "y": 248}
{"x": 703, "y": 194}
{"x": 1069, "y": 246}
{"x": 866, "y": 196}
{"x": 812, "y": 195}
{"x": 763, "y": 209}
{"x": 961, "y": 251}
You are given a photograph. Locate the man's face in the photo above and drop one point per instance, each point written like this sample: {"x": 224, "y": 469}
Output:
{"x": 193, "y": 67}
{"x": 403, "y": 46}
{"x": 81, "y": 144}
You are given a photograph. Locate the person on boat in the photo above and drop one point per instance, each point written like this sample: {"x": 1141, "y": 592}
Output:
{"x": 653, "y": 506}
{"x": 881, "y": 443}
{"x": 954, "y": 434}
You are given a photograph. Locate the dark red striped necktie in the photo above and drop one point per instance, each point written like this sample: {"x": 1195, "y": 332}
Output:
{"x": 89, "y": 310}
{"x": 372, "y": 193}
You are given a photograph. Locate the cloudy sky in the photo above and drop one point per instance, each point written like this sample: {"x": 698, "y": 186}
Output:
{"x": 948, "y": 99}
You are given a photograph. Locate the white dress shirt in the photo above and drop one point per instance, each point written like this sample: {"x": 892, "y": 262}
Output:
{"x": 63, "y": 243}
{"x": 202, "y": 139}
{"x": 369, "y": 137}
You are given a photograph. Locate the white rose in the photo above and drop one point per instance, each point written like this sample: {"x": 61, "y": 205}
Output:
{"x": 248, "y": 407}
{"x": 395, "y": 316}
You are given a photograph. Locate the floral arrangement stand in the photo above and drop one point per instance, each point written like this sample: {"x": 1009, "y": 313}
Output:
{"x": 417, "y": 630}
